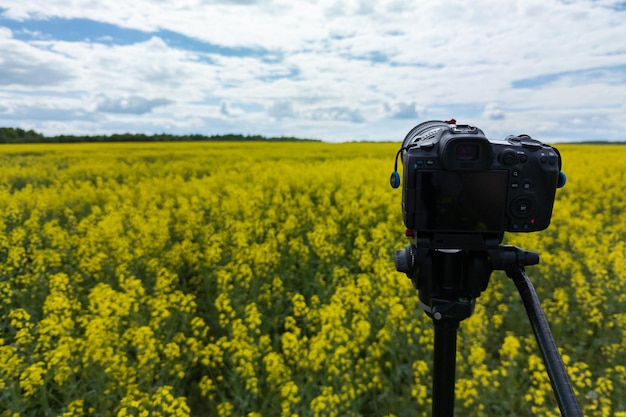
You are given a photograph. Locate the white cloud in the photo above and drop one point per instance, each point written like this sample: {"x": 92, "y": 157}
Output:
{"x": 281, "y": 109}
{"x": 493, "y": 111}
{"x": 230, "y": 111}
{"x": 129, "y": 105}
{"x": 337, "y": 113}
{"x": 401, "y": 111}
{"x": 333, "y": 69}
{"x": 24, "y": 65}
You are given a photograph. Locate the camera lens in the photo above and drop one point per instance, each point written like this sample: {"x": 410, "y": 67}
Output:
{"x": 467, "y": 152}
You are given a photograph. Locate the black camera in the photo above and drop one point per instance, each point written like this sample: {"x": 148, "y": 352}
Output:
{"x": 457, "y": 183}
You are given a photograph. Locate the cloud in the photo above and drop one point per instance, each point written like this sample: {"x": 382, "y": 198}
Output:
{"x": 332, "y": 69}
{"x": 42, "y": 112}
{"x": 493, "y": 111}
{"x": 15, "y": 70}
{"x": 338, "y": 113}
{"x": 130, "y": 105}
{"x": 281, "y": 109}
{"x": 228, "y": 110}
{"x": 612, "y": 73}
{"x": 22, "y": 64}
{"x": 401, "y": 111}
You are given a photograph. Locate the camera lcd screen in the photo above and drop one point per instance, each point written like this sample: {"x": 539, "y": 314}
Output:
{"x": 462, "y": 201}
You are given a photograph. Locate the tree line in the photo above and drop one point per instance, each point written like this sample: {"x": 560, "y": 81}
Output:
{"x": 17, "y": 135}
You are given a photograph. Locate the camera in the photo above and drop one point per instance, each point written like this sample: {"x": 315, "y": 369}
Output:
{"x": 459, "y": 186}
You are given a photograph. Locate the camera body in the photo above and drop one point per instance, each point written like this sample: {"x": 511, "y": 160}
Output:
{"x": 456, "y": 183}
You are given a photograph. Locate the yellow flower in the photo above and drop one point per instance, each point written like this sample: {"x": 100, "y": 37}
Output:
{"x": 225, "y": 409}
{"x": 75, "y": 409}
{"x": 31, "y": 378}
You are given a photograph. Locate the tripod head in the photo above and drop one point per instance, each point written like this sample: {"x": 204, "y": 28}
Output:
{"x": 449, "y": 280}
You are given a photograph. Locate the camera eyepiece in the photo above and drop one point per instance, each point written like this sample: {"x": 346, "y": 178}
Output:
{"x": 467, "y": 152}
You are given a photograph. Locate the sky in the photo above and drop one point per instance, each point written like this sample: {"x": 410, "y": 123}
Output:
{"x": 335, "y": 70}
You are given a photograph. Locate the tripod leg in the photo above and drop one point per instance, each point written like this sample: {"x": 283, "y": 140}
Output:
{"x": 551, "y": 358}
{"x": 444, "y": 367}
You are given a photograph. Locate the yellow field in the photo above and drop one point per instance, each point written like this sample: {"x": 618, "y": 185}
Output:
{"x": 257, "y": 279}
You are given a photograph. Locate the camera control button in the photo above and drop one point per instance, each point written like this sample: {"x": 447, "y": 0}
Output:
{"x": 523, "y": 158}
{"x": 515, "y": 173}
{"x": 527, "y": 185}
{"x": 514, "y": 185}
{"x": 522, "y": 207}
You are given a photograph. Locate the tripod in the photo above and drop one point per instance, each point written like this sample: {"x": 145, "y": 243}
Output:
{"x": 448, "y": 283}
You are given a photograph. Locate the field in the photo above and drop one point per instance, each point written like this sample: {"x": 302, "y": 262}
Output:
{"x": 251, "y": 279}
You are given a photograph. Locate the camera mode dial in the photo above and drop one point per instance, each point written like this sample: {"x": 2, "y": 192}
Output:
{"x": 526, "y": 141}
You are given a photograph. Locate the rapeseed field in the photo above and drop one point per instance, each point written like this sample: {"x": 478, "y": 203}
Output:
{"x": 257, "y": 279}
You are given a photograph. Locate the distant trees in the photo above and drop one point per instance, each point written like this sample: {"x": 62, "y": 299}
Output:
{"x": 17, "y": 135}
{"x": 11, "y": 135}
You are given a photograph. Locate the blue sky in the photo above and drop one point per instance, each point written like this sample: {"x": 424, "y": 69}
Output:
{"x": 337, "y": 70}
